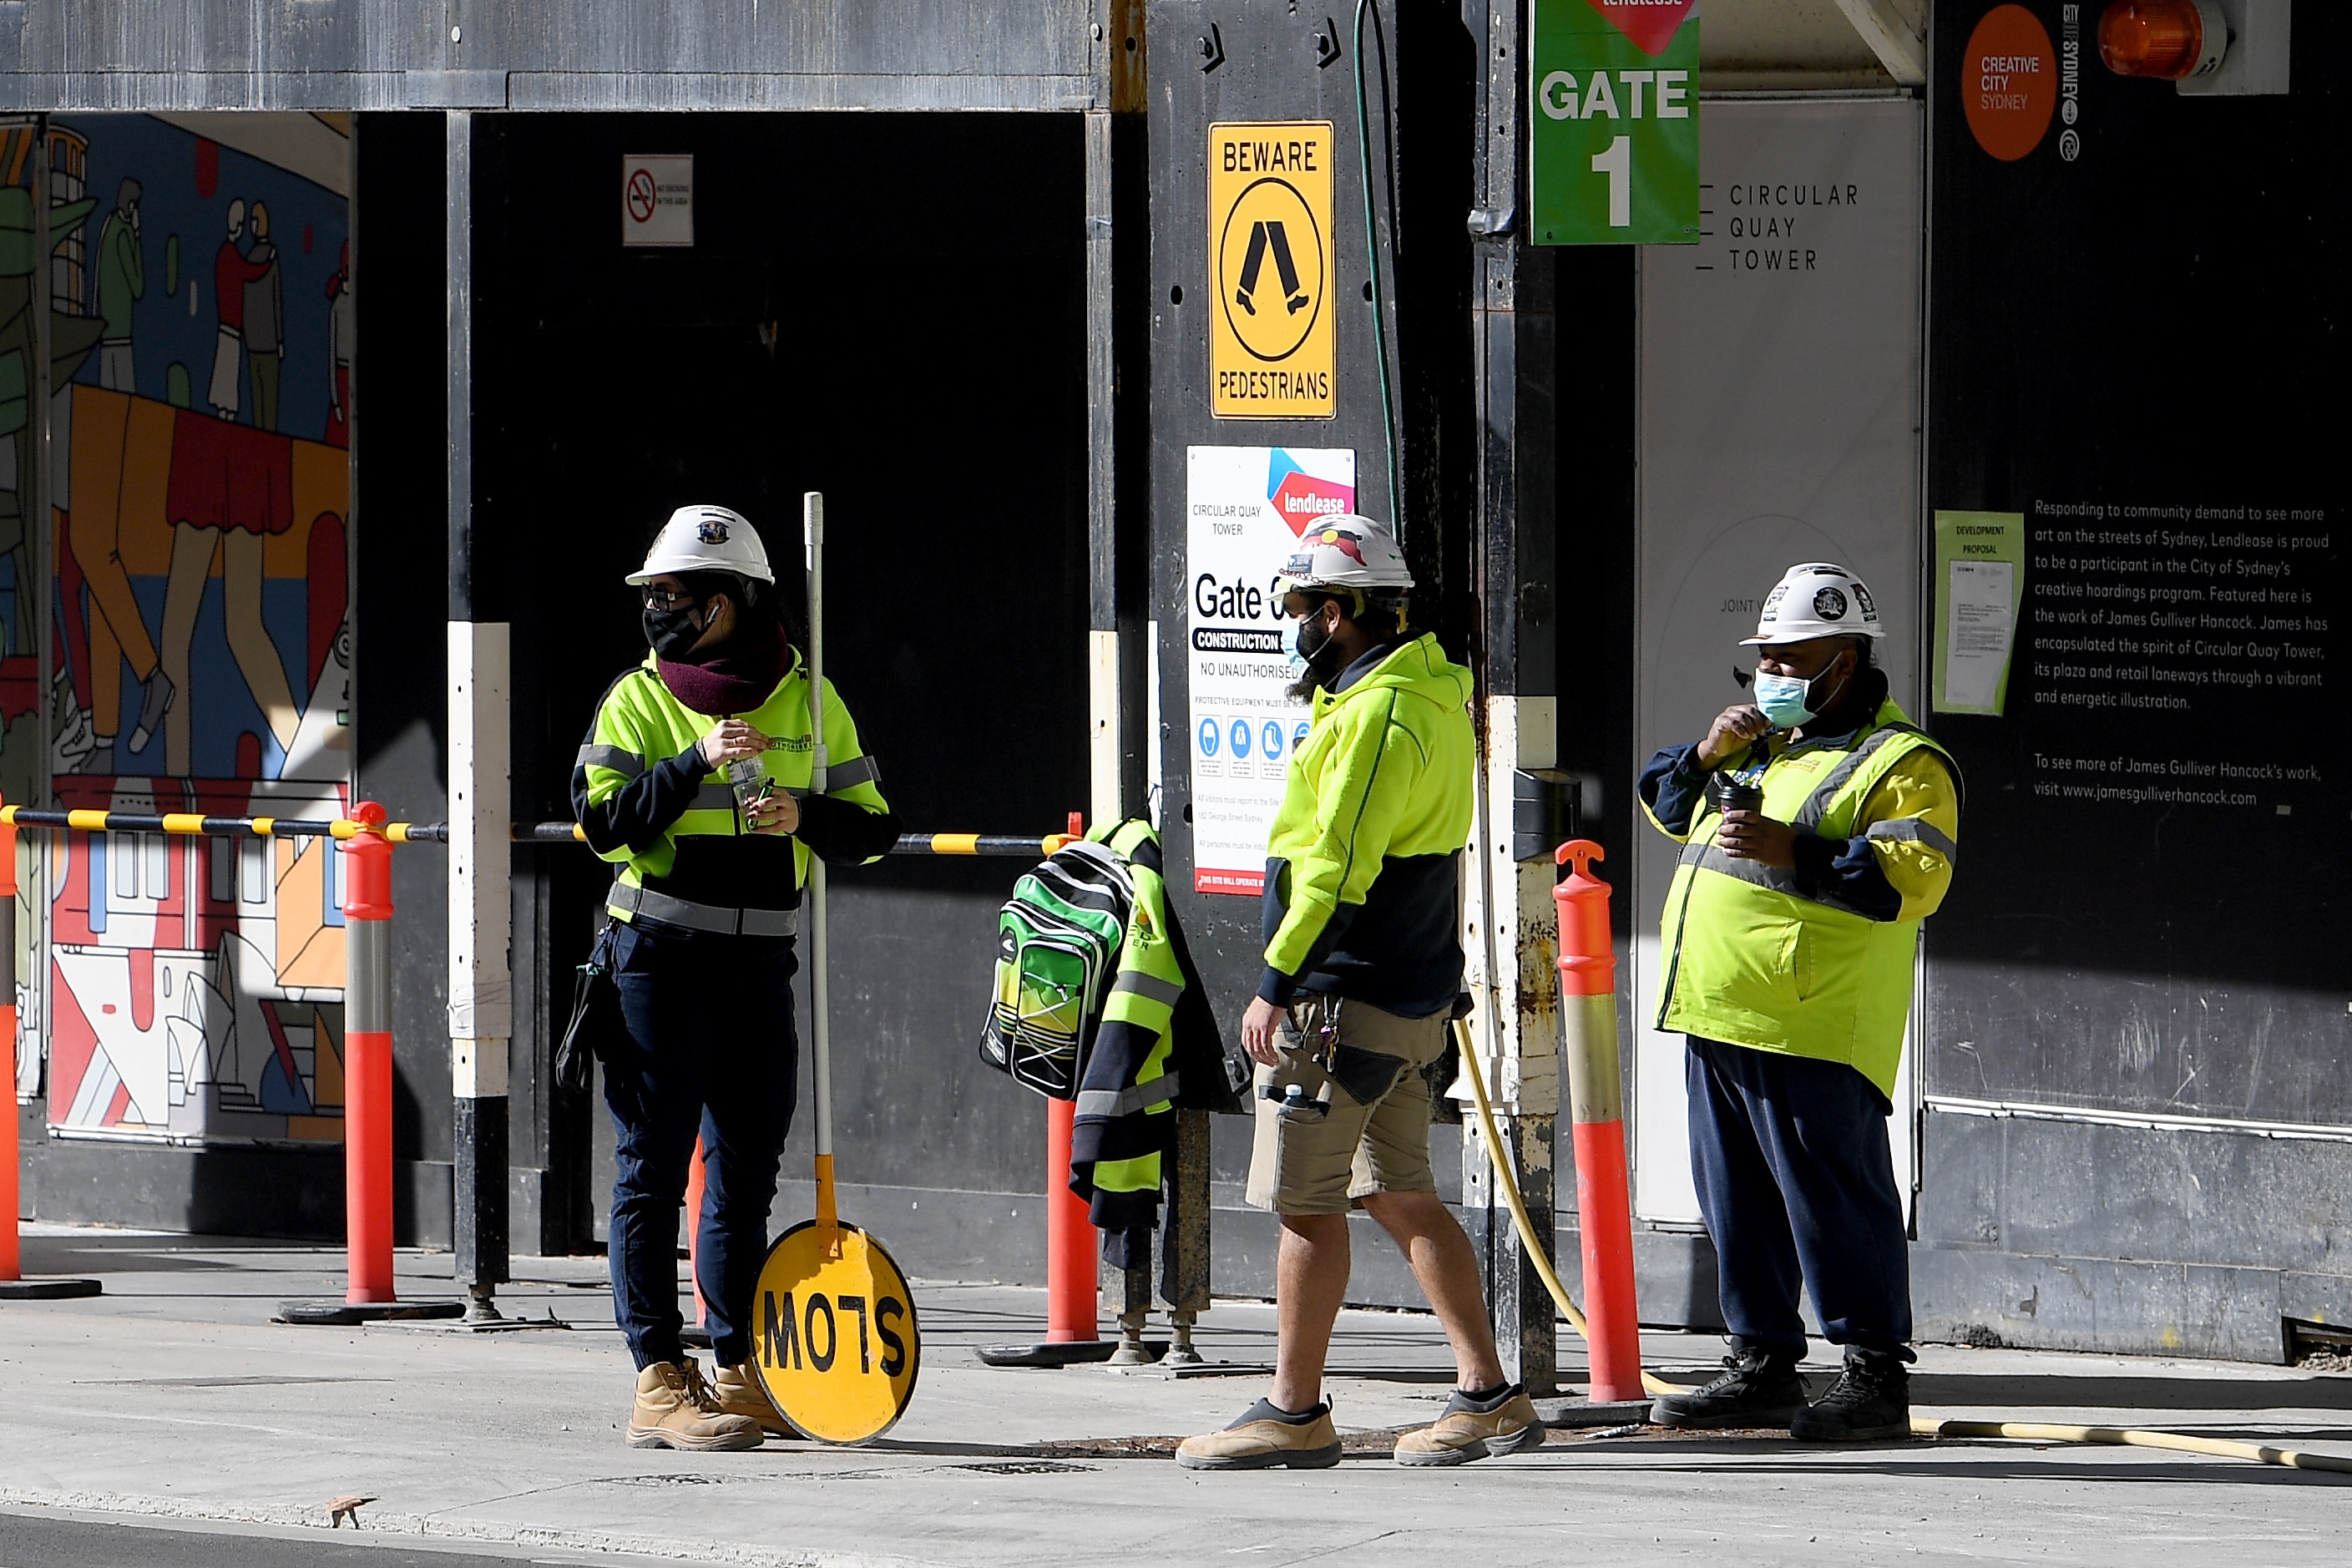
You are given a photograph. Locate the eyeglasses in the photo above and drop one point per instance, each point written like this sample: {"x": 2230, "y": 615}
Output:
{"x": 668, "y": 598}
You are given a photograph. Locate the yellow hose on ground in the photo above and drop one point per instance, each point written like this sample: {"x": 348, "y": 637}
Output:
{"x": 2025, "y": 1431}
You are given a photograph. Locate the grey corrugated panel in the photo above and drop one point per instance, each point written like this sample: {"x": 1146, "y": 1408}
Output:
{"x": 912, "y": 38}
{"x": 795, "y": 90}
{"x": 139, "y": 91}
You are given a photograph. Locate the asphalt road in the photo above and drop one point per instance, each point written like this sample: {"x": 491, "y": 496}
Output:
{"x": 54, "y": 1540}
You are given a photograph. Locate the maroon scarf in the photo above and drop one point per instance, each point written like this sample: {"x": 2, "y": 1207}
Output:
{"x": 736, "y": 677}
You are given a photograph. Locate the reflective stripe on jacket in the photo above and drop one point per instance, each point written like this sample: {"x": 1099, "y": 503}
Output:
{"x": 1758, "y": 956}
{"x": 1157, "y": 1049}
{"x": 702, "y": 870}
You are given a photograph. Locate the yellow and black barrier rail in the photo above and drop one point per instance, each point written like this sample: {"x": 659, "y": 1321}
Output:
{"x": 190, "y": 824}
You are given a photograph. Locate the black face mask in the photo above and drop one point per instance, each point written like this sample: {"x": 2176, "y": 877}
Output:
{"x": 1316, "y": 647}
{"x": 672, "y": 634}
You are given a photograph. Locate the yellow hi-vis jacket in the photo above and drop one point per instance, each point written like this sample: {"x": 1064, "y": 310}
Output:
{"x": 1157, "y": 1049}
{"x": 1363, "y": 856}
{"x": 703, "y": 870}
{"x": 1748, "y": 959}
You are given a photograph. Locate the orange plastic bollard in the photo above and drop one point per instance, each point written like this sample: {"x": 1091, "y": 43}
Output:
{"x": 367, "y": 1058}
{"x": 1587, "y": 996}
{"x": 695, "y": 1180}
{"x": 1072, "y": 1293}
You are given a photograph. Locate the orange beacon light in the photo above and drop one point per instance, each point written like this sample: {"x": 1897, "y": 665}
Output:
{"x": 2171, "y": 40}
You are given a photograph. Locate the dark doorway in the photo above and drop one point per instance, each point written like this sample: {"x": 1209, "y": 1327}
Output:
{"x": 887, "y": 308}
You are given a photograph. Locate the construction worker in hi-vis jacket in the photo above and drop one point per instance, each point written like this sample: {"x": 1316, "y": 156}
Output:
{"x": 1362, "y": 974}
{"x": 694, "y": 782}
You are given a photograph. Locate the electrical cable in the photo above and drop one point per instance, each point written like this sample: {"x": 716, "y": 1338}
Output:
{"x": 1921, "y": 1427}
{"x": 1372, "y": 250}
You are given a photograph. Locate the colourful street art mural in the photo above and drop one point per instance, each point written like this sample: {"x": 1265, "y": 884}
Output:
{"x": 200, "y": 651}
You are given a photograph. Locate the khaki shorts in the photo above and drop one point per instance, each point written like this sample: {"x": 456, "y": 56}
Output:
{"x": 1322, "y": 1159}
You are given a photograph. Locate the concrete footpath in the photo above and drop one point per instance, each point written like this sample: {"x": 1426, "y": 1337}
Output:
{"x": 173, "y": 1396}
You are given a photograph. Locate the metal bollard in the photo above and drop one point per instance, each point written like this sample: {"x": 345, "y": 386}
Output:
{"x": 367, "y": 1060}
{"x": 1588, "y": 995}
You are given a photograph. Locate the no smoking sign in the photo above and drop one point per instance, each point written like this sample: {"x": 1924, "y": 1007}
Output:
{"x": 657, "y": 199}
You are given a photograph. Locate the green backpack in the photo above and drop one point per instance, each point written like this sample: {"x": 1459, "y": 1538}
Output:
{"x": 1057, "y": 946}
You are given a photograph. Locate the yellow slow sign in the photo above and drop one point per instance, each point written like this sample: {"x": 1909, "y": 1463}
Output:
{"x": 835, "y": 1342}
{"x": 1272, "y": 262}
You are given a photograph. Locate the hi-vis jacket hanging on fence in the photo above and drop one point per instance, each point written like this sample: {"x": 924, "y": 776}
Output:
{"x": 1097, "y": 1001}
{"x": 1781, "y": 959}
{"x": 705, "y": 872}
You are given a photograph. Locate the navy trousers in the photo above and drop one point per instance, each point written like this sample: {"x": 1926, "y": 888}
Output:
{"x": 1797, "y": 1186}
{"x": 713, "y": 1049}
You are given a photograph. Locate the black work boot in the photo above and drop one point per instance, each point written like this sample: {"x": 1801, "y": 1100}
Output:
{"x": 1871, "y": 1401}
{"x": 1758, "y": 1388}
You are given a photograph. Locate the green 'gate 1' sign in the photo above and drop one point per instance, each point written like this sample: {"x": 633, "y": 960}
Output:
{"x": 1614, "y": 152}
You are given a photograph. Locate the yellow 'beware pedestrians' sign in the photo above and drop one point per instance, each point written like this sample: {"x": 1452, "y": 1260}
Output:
{"x": 1271, "y": 261}
{"x": 834, "y": 1338}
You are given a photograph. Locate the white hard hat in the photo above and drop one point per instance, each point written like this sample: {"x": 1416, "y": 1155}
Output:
{"x": 706, "y": 538}
{"x": 1817, "y": 600}
{"x": 1346, "y": 551}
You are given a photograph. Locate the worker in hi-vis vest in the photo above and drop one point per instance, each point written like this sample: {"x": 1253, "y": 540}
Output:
{"x": 1362, "y": 973}
{"x": 694, "y": 782}
{"x": 1817, "y": 828}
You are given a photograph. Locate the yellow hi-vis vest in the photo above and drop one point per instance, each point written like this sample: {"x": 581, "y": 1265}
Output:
{"x": 640, "y": 723}
{"x": 1747, "y": 959}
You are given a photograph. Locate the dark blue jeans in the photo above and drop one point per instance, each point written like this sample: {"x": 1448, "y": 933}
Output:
{"x": 712, "y": 1049}
{"x": 1797, "y": 1186}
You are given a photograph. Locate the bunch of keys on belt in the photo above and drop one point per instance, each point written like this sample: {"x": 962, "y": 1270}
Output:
{"x": 1320, "y": 1040}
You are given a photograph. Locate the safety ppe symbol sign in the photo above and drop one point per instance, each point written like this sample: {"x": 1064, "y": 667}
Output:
{"x": 1246, "y": 509}
{"x": 1271, "y": 261}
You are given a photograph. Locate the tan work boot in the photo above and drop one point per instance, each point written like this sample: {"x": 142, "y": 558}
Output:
{"x": 1466, "y": 1432}
{"x": 1262, "y": 1440}
{"x": 740, "y": 1393}
{"x": 676, "y": 1409}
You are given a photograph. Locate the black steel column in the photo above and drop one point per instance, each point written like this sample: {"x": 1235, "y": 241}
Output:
{"x": 1512, "y": 932}
{"x": 480, "y": 907}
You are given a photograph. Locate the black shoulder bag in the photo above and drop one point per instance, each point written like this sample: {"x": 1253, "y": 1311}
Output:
{"x": 596, "y": 1023}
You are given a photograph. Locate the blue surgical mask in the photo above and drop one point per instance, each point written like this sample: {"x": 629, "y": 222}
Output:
{"x": 1783, "y": 699}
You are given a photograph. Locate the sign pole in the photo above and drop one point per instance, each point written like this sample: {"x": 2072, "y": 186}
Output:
{"x": 820, "y": 1011}
{"x": 836, "y": 1342}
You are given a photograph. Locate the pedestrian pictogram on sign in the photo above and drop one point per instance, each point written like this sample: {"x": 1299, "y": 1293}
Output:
{"x": 833, "y": 1332}
{"x": 657, "y": 199}
{"x": 1271, "y": 261}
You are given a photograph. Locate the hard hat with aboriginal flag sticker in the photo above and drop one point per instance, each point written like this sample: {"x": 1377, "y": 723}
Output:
{"x": 1346, "y": 551}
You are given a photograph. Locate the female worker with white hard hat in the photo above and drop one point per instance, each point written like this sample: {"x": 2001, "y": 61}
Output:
{"x": 694, "y": 782}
